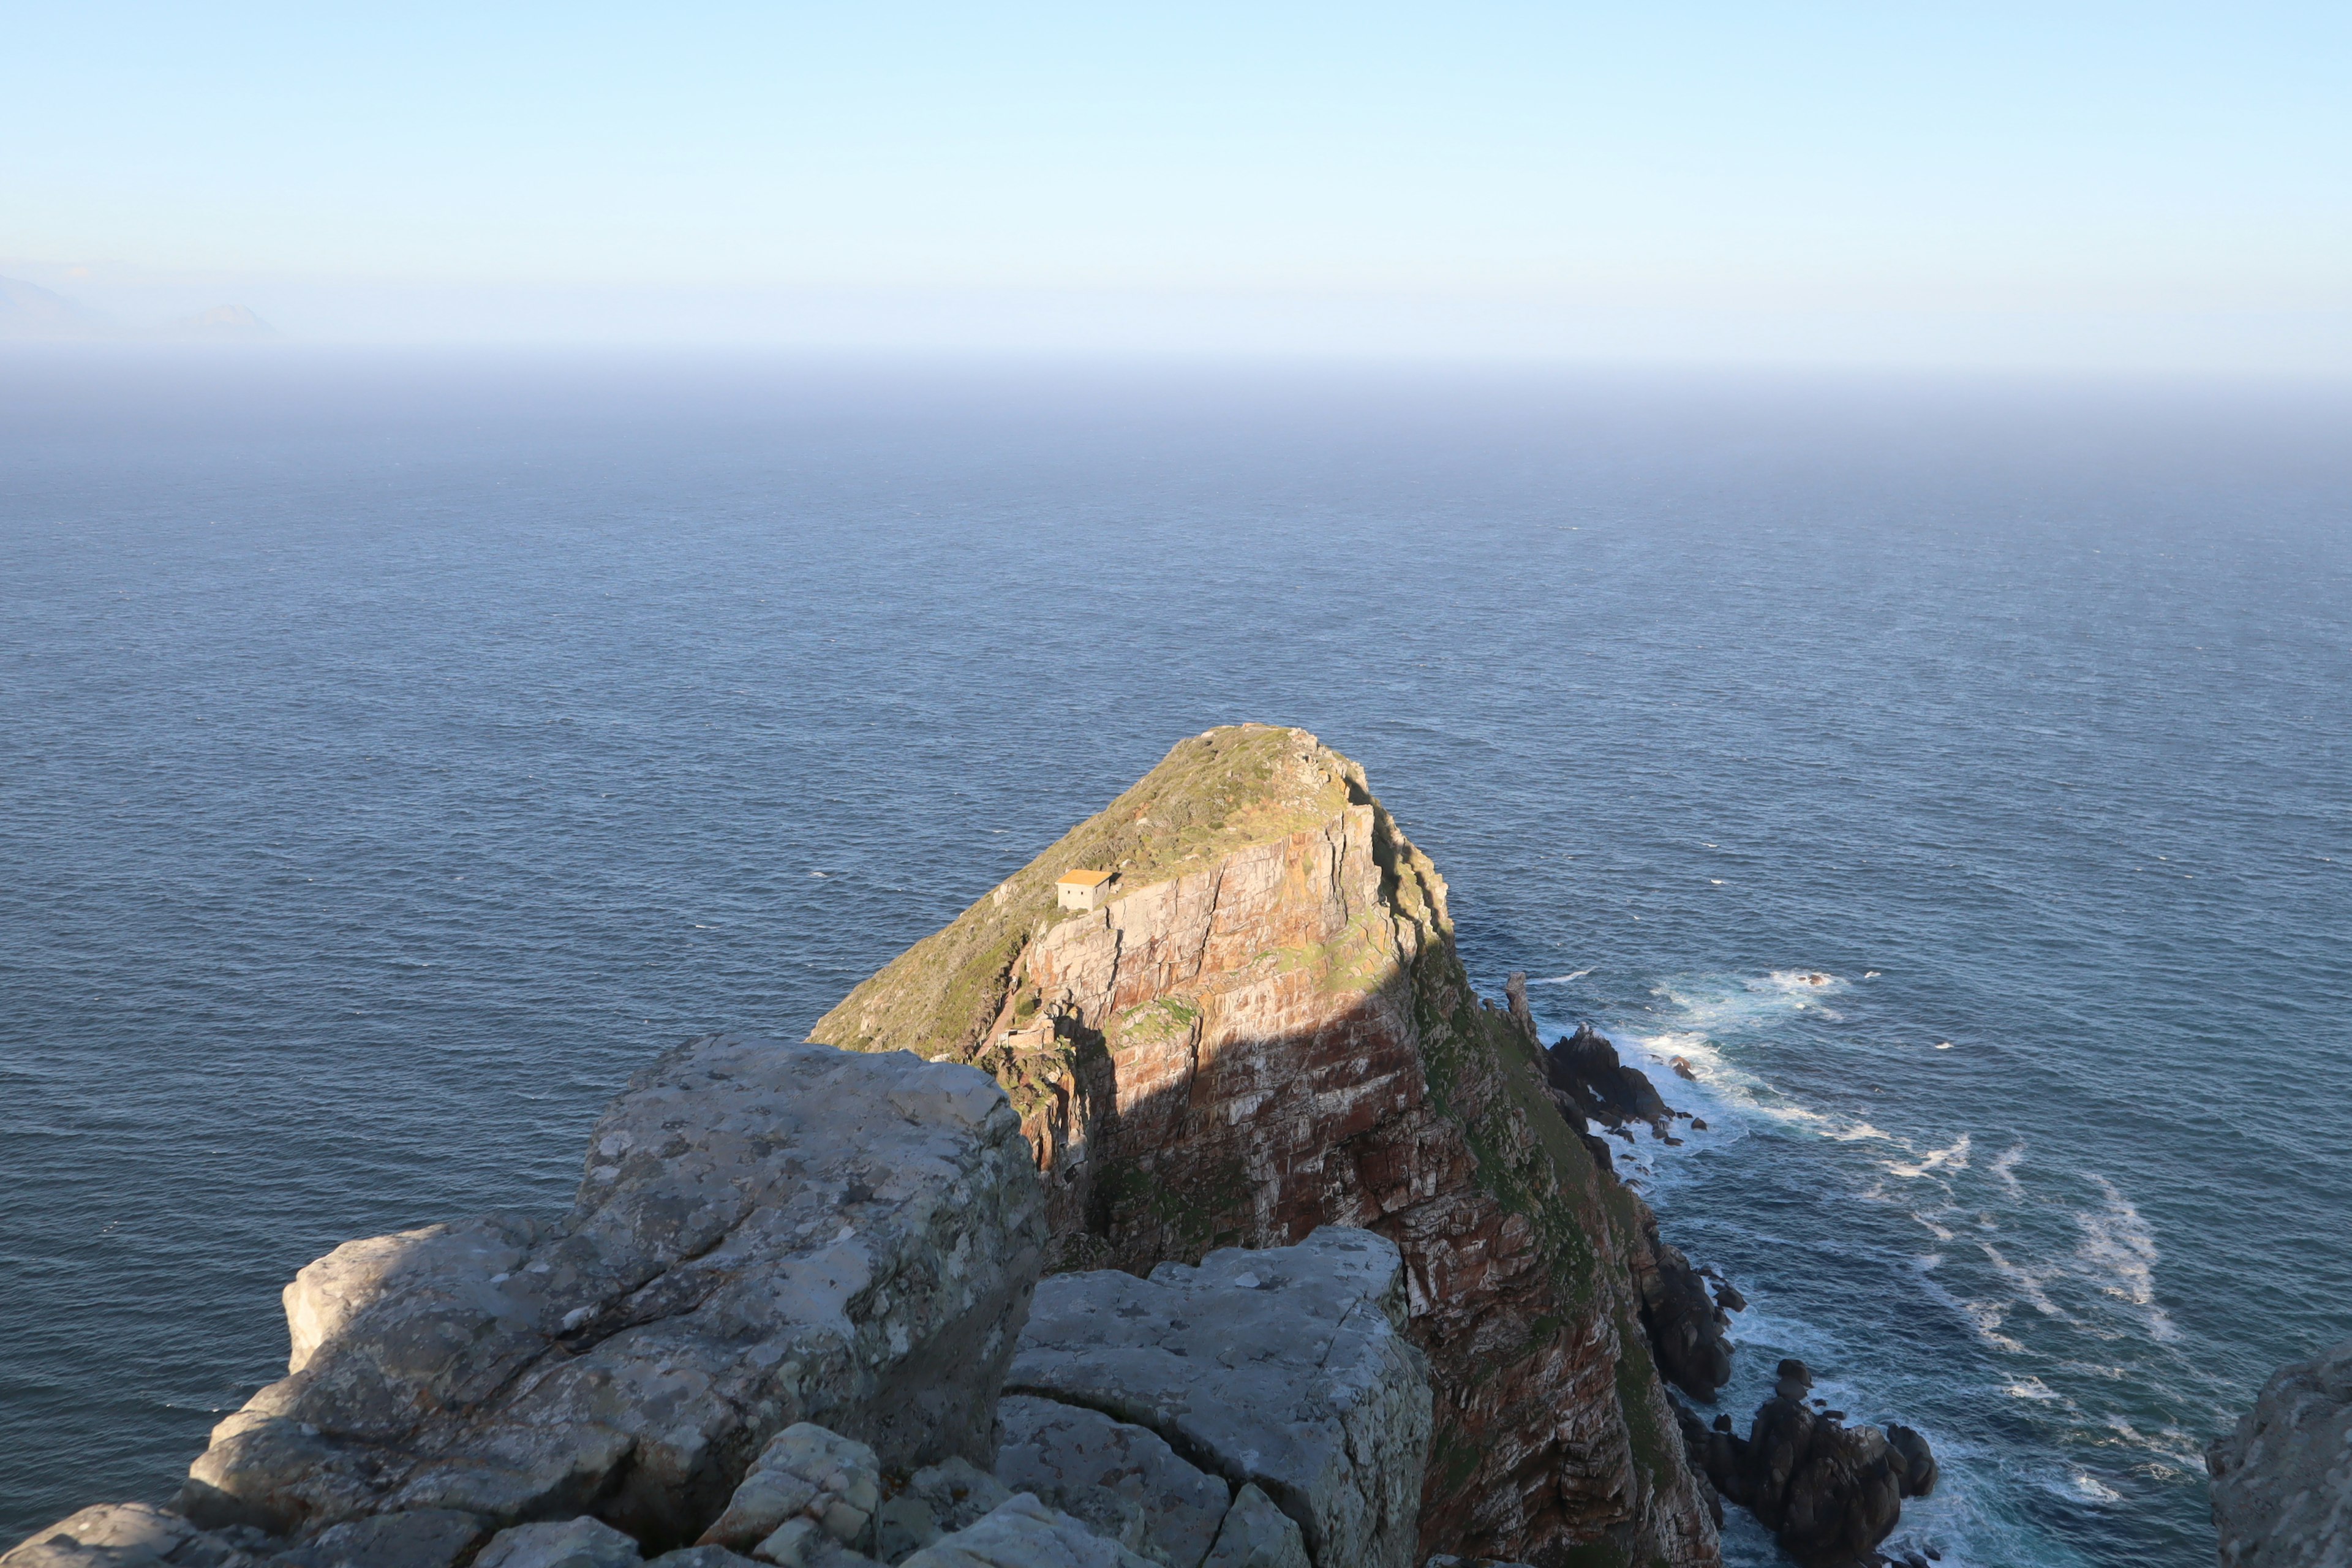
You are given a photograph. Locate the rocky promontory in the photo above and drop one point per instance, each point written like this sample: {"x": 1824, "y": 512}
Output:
{"x": 1215, "y": 1222}
{"x": 1268, "y": 1029}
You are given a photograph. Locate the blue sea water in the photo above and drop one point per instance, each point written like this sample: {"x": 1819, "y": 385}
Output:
{"x": 397, "y": 750}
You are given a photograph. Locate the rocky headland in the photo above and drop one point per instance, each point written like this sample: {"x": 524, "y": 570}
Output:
{"x": 1218, "y": 1224}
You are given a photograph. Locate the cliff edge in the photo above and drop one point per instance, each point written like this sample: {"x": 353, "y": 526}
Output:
{"x": 1266, "y": 1029}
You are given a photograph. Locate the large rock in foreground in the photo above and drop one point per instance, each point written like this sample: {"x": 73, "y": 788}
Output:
{"x": 1267, "y": 1030}
{"x": 2282, "y": 1480}
{"x": 1287, "y": 1369}
{"x": 766, "y": 1234}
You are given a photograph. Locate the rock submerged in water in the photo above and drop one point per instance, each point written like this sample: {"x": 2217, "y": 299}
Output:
{"x": 2283, "y": 1479}
{"x": 1831, "y": 1493}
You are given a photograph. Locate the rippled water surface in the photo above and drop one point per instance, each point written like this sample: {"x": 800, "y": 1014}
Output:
{"x": 395, "y": 753}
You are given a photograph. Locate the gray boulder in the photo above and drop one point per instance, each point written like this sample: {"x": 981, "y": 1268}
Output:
{"x": 806, "y": 1471}
{"x": 766, "y": 1234}
{"x": 1256, "y": 1534}
{"x": 2283, "y": 1479}
{"x": 428, "y": 1538}
{"x": 938, "y": 1499}
{"x": 1025, "y": 1534}
{"x": 1285, "y": 1368}
{"x": 1124, "y": 1481}
{"x": 574, "y": 1543}
{"x": 134, "y": 1535}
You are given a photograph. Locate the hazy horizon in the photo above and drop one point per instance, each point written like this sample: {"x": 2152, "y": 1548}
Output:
{"x": 2105, "y": 189}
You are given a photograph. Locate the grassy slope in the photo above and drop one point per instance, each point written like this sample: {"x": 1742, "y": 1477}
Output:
{"x": 1211, "y": 795}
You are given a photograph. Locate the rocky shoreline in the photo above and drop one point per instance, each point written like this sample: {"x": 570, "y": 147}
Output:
{"x": 1221, "y": 1225}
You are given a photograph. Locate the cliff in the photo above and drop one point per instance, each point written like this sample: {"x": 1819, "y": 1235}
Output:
{"x": 2283, "y": 1479}
{"x": 1266, "y": 1030}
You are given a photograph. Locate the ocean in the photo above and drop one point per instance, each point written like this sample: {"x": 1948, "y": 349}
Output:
{"x": 398, "y": 750}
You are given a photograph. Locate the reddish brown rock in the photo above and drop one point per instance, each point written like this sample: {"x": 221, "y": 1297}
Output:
{"x": 1266, "y": 1029}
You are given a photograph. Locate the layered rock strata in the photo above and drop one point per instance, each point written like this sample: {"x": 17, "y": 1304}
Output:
{"x": 2283, "y": 1479}
{"x": 1267, "y": 1030}
{"x": 765, "y": 1234}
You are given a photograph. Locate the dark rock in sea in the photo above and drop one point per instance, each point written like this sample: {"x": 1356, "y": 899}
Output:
{"x": 1682, "y": 1069}
{"x": 1590, "y": 1085}
{"x": 1728, "y": 1298}
{"x": 1698, "y": 1125}
{"x": 1919, "y": 1469}
{"x": 2283, "y": 1479}
{"x": 1688, "y": 1333}
{"x": 1830, "y": 1492}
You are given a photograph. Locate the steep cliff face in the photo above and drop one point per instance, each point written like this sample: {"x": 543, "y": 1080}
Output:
{"x": 1268, "y": 1029}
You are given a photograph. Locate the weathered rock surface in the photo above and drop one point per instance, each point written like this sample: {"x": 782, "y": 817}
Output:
{"x": 1123, "y": 1481}
{"x": 1590, "y": 1084}
{"x": 1689, "y": 1329}
{"x": 804, "y": 1471}
{"x": 429, "y": 1537}
{"x": 1285, "y": 1368}
{"x": 573, "y": 1543}
{"x": 1257, "y": 1534}
{"x": 766, "y": 1234}
{"x": 1025, "y": 1534}
{"x": 1267, "y": 1030}
{"x": 1829, "y": 1491}
{"x": 132, "y": 1535}
{"x": 2283, "y": 1479}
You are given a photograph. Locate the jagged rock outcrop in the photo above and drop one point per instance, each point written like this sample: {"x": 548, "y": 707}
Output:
{"x": 1284, "y": 1369}
{"x": 1592, "y": 1085}
{"x": 1267, "y": 1030}
{"x": 1830, "y": 1492}
{"x": 766, "y": 1234}
{"x": 2283, "y": 1479}
{"x": 1689, "y": 1329}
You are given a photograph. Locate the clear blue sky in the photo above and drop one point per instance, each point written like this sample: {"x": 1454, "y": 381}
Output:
{"x": 2146, "y": 159}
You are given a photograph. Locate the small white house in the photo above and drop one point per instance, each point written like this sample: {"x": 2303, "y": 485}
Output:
{"x": 1082, "y": 889}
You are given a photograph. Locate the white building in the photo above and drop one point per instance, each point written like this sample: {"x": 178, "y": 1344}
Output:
{"x": 1082, "y": 889}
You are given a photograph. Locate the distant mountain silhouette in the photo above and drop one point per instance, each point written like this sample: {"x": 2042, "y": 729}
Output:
{"x": 27, "y": 310}
{"x": 221, "y": 321}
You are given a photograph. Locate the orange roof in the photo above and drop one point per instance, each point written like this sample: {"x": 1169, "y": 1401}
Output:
{"x": 1083, "y": 878}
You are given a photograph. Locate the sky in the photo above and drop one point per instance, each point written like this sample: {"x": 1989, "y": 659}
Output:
{"x": 2093, "y": 184}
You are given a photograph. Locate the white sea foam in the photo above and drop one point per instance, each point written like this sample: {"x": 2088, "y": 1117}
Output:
{"x": 1562, "y": 979}
{"x": 2027, "y": 1281}
{"x": 2004, "y": 1166}
{"x": 2119, "y": 1248}
{"x": 1954, "y": 1158}
{"x": 2034, "y": 1388}
{"x": 2091, "y": 1488}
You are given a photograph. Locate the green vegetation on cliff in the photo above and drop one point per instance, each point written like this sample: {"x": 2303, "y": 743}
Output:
{"x": 1211, "y": 795}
